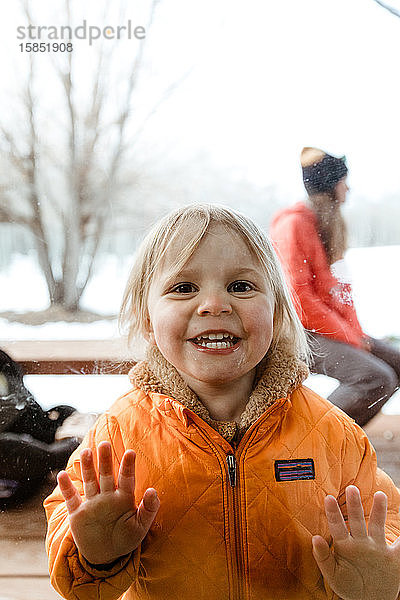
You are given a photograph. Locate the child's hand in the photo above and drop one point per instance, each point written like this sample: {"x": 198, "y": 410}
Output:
{"x": 361, "y": 565}
{"x": 108, "y": 524}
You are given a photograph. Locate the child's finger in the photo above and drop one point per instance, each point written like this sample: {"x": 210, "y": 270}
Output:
{"x": 126, "y": 476}
{"x": 106, "y": 475}
{"x": 377, "y": 519}
{"x": 355, "y": 511}
{"x": 323, "y": 556}
{"x": 337, "y": 526}
{"x": 89, "y": 477}
{"x": 69, "y": 492}
{"x": 148, "y": 508}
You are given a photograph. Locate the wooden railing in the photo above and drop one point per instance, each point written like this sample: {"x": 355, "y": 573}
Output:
{"x": 70, "y": 357}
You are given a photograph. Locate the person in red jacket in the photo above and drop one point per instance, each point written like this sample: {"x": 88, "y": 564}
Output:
{"x": 310, "y": 237}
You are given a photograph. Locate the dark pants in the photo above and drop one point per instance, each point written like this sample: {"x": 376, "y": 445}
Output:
{"x": 367, "y": 379}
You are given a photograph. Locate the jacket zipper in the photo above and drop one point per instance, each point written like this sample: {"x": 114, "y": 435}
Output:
{"x": 232, "y": 475}
{"x": 231, "y": 461}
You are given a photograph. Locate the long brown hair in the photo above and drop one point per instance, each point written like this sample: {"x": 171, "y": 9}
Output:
{"x": 331, "y": 225}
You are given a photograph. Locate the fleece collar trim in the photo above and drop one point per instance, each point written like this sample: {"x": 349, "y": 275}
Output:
{"x": 278, "y": 374}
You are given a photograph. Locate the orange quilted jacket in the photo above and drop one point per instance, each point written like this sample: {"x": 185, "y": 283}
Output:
{"x": 234, "y": 523}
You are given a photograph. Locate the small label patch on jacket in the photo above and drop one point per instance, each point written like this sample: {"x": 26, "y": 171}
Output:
{"x": 290, "y": 470}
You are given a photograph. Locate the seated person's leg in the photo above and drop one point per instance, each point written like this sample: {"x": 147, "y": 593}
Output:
{"x": 388, "y": 353}
{"x": 366, "y": 381}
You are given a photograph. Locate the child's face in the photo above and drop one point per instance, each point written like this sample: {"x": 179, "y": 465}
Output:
{"x": 213, "y": 321}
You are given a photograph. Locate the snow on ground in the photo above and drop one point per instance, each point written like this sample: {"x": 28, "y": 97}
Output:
{"x": 23, "y": 289}
{"x": 94, "y": 393}
{"x": 376, "y": 294}
{"x": 87, "y": 393}
{"x": 376, "y": 288}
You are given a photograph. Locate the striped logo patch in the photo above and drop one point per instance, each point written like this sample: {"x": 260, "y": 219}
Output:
{"x": 291, "y": 470}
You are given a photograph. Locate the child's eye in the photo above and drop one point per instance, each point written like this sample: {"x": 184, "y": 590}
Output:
{"x": 240, "y": 287}
{"x": 184, "y": 288}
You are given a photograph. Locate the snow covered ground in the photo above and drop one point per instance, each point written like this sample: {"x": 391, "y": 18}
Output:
{"x": 376, "y": 295}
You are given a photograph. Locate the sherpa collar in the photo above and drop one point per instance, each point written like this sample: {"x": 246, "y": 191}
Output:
{"x": 277, "y": 376}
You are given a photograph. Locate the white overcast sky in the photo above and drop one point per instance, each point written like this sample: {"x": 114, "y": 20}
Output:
{"x": 267, "y": 77}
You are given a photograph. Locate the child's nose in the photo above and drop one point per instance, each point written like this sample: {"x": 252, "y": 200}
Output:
{"x": 214, "y": 304}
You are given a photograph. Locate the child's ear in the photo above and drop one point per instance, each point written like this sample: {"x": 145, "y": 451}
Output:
{"x": 149, "y": 333}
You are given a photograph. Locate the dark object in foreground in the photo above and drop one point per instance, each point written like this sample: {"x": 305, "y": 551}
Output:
{"x": 28, "y": 450}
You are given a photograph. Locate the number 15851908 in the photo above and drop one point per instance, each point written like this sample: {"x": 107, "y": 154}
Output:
{"x": 46, "y": 47}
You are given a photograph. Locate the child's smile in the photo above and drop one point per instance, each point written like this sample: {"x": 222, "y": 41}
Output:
{"x": 214, "y": 319}
{"x": 219, "y": 342}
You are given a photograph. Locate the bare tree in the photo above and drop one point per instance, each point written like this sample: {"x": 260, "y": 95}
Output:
{"x": 73, "y": 188}
{"x": 394, "y": 11}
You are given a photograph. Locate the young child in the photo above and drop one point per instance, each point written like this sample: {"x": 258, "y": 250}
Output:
{"x": 261, "y": 484}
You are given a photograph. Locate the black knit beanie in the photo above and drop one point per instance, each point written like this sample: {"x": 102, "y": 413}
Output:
{"x": 321, "y": 171}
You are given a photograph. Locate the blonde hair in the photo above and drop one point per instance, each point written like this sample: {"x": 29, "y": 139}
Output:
{"x": 196, "y": 220}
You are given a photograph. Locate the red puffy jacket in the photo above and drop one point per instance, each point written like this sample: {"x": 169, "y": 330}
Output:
{"x": 324, "y": 304}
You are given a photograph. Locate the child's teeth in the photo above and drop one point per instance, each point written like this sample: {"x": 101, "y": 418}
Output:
{"x": 217, "y": 345}
{"x": 215, "y": 336}
{"x": 209, "y": 340}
